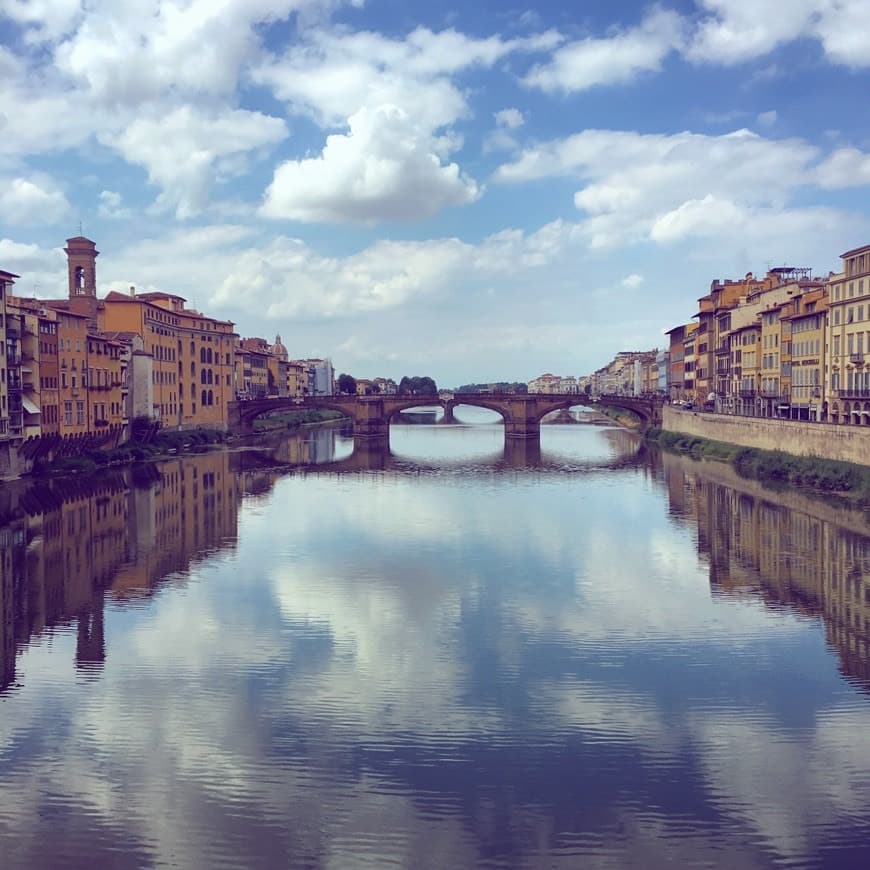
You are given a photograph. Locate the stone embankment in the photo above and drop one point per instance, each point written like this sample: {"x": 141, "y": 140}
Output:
{"x": 844, "y": 443}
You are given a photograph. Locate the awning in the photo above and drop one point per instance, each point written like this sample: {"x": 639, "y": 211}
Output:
{"x": 29, "y": 406}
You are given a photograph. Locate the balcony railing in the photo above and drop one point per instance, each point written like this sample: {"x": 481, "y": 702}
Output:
{"x": 746, "y": 394}
{"x": 853, "y": 393}
{"x": 856, "y": 357}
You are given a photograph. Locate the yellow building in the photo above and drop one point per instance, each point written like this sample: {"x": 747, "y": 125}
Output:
{"x": 772, "y": 394}
{"x": 806, "y": 345}
{"x": 745, "y": 342}
{"x": 848, "y": 385}
{"x": 192, "y": 355}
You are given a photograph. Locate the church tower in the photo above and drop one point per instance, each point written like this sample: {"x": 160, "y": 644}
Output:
{"x": 81, "y": 255}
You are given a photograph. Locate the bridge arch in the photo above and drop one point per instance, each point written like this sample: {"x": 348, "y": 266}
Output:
{"x": 489, "y": 405}
{"x": 567, "y": 404}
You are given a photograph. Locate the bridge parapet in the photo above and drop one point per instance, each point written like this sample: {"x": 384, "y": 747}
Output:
{"x": 522, "y": 412}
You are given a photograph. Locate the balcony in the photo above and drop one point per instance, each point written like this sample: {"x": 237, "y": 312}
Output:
{"x": 746, "y": 394}
{"x": 853, "y": 393}
{"x": 856, "y": 358}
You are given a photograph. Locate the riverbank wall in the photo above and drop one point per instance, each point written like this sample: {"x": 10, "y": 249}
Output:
{"x": 845, "y": 443}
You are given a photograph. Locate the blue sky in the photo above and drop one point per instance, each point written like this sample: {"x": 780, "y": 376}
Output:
{"x": 480, "y": 193}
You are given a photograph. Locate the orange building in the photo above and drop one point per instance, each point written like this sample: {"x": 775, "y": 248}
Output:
{"x": 192, "y": 354}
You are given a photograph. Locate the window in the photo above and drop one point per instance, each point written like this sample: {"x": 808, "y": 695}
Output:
{"x": 67, "y": 413}
{"x": 80, "y": 413}
{"x": 204, "y": 398}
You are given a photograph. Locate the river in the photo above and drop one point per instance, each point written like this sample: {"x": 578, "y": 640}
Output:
{"x": 452, "y": 654}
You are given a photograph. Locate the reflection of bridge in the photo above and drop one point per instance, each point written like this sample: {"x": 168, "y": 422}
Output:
{"x": 371, "y": 415}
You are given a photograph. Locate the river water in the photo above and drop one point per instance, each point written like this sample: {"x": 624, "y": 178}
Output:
{"x": 447, "y": 655}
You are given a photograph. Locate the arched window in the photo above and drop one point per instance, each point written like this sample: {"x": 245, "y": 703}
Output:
{"x": 193, "y": 391}
{"x": 209, "y": 376}
{"x": 204, "y": 398}
{"x": 192, "y": 369}
{"x": 192, "y": 349}
{"x": 202, "y": 354}
{"x": 202, "y": 376}
{"x": 210, "y": 397}
{"x": 208, "y": 355}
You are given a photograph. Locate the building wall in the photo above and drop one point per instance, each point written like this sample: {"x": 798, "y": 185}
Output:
{"x": 192, "y": 357}
{"x": 72, "y": 350}
{"x": 847, "y": 443}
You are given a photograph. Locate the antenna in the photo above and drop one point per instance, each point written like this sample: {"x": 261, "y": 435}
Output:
{"x": 80, "y": 226}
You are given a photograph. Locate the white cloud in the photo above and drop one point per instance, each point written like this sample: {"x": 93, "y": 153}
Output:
{"x": 846, "y": 167}
{"x": 186, "y": 150}
{"x": 38, "y": 267}
{"x": 43, "y": 20}
{"x": 614, "y": 59}
{"x": 639, "y": 187}
{"x": 286, "y": 279}
{"x": 501, "y": 139}
{"x": 734, "y": 31}
{"x": 385, "y": 168}
{"x": 510, "y": 118}
{"x": 111, "y": 207}
{"x": 125, "y": 52}
{"x": 767, "y": 119}
{"x": 632, "y": 282}
{"x": 28, "y": 201}
{"x": 333, "y": 74}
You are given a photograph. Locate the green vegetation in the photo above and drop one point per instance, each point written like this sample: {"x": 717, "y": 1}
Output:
{"x": 295, "y": 419}
{"x": 774, "y": 467}
{"x": 346, "y": 384}
{"x": 417, "y": 386}
{"x": 161, "y": 444}
{"x": 498, "y": 387}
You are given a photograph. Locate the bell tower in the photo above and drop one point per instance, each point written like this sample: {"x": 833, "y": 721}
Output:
{"x": 81, "y": 255}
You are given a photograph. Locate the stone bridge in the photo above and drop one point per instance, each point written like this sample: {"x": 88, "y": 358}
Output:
{"x": 371, "y": 415}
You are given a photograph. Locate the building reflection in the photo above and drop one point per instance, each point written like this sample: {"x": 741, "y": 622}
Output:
{"x": 67, "y": 547}
{"x": 786, "y": 549}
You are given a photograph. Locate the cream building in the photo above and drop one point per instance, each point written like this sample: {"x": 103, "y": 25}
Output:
{"x": 847, "y": 384}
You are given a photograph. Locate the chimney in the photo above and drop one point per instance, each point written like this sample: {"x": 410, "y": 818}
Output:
{"x": 132, "y": 290}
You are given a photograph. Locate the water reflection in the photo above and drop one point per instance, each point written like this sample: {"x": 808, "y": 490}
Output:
{"x": 784, "y": 549}
{"x": 571, "y": 653}
{"x": 66, "y": 544}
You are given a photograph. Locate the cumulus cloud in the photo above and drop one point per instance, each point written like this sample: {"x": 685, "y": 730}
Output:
{"x": 124, "y": 54}
{"x": 632, "y": 282}
{"x": 502, "y": 139}
{"x": 509, "y": 118}
{"x": 640, "y": 187}
{"x": 111, "y": 207}
{"x": 846, "y": 167}
{"x": 734, "y": 31}
{"x": 185, "y": 150}
{"x": 385, "y": 168}
{"x": 29, "y": 201}
{"x": 614, "y": 59}
{"x": 43, "y": 20}
{"x": 333, "y": 73}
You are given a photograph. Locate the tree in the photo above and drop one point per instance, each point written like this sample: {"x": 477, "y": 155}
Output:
{"x": 417, "y": 386}
{"x": 346, "y": 385}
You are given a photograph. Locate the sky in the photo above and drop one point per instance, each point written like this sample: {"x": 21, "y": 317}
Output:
{"x": 474, "y": 192}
